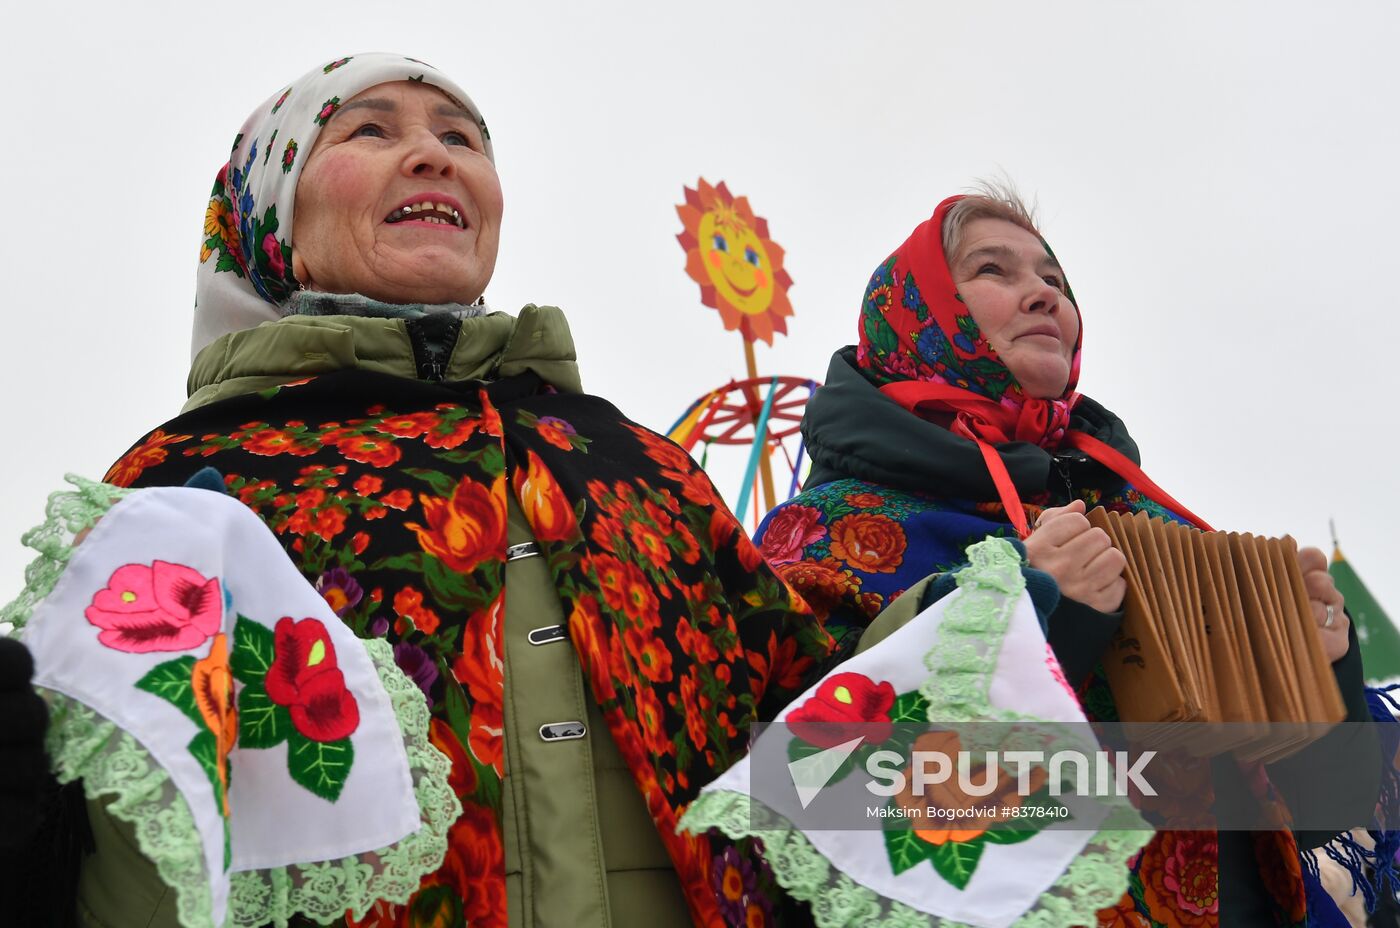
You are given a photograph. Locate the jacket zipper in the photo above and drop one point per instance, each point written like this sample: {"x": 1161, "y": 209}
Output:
{"x": 1063, "y": 460}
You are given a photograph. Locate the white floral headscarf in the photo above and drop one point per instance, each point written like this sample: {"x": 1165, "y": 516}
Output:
{"x": 245, "y": 264}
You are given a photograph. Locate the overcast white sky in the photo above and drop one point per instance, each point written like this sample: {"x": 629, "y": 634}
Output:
{"x": 1219, "y": 180}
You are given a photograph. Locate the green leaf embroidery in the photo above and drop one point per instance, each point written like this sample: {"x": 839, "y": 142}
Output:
{"x": 173, "y": 682}
{"x": 955, "y": 861}
{"x": 253, "y": 650}
{"x": 909, "y": 707}
{"x": 320, "y": 766}
{"x": 261, "y": 722}
{"x": 205, "y": 748}
{"x": 905, "y": 849}
{"x": 800, "y": 750}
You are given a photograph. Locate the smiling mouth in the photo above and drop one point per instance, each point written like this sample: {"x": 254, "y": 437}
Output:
{"x": 428, "y": 211}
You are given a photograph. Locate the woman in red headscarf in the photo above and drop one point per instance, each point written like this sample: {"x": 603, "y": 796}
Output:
{"x": 956, "y": 417}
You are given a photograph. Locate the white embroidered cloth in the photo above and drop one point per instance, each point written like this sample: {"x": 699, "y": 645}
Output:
{"x": 181, "y": 620}
{"x": 975, "y": 656}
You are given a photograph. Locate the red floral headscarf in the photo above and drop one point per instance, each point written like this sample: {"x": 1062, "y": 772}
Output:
{"x": 919, "y": 342}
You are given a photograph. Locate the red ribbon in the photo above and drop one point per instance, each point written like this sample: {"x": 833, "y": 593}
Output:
{"x": 1044, "y": 423}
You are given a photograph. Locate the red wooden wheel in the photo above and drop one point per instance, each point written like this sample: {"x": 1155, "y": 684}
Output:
{"x": 737, "y": 405}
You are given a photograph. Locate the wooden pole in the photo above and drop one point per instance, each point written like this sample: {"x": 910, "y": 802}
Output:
{"x": 765, "y": 471}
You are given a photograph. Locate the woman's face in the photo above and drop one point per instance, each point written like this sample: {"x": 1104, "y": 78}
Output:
{"x": 1015, "y": 293}
{"x": 398, "y": 201}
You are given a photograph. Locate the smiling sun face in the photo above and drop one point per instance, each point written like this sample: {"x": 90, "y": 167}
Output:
{"x": 739, "y": 269}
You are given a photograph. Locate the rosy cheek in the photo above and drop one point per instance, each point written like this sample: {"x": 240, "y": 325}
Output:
{"x": 715, "y": 259}
{"x": 760, "y": 279}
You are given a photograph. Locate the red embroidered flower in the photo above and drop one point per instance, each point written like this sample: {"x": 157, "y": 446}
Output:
{"x": 871, "y": 543}
{"x": 304, "y": 678}
{"x": 466, "y": 528}
{"x": 845, "y": 706}
{"x": 547, "y": 509}
{"x": 369, "y": 484}
{"x": 790, "y": 531}
{"x": 147, "y": 454}
{"x": 163, "y": 607}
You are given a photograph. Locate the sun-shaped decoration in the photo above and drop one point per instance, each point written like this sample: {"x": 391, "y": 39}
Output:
{"x": 738, "y": 267}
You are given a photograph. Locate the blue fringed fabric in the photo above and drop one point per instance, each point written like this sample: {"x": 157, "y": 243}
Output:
{"x": 1373, "y": 870}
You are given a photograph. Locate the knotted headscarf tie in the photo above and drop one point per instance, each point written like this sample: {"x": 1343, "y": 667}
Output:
{"x": 920, "y": 344}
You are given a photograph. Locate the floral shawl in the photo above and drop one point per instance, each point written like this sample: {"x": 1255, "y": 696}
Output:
{"x": 390, "y": 495}
{"x": 245, "y": 261}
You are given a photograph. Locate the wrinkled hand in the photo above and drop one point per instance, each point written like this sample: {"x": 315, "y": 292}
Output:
{"x": 23, "y": 764}
{"x": 1079, "y": 556}
{"x": 1322, "y": 592}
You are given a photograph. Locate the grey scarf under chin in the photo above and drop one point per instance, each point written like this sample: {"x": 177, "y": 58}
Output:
{"x": 315, "y": 303}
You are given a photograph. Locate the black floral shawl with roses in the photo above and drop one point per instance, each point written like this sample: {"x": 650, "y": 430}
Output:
{"x": 390, "y": 494}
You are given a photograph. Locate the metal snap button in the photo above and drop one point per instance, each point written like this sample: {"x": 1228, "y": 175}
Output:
{"x": 563, "y": 731}
{"x": 524, "y": 549}
{"x": 547, "y": 634}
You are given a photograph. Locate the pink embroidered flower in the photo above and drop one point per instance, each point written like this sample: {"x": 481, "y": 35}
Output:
{"x": 1053, "y": 664}
{"x": 163, "y": 607}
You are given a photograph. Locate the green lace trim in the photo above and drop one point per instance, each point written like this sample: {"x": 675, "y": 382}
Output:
{"x": 962, "y": 661}
{"x": 68, "y": 513}
{"x": 84, "y": 744}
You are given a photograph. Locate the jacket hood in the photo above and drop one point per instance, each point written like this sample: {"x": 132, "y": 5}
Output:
{"x": 852, "y": 430}
{"x": 485, "y": 347}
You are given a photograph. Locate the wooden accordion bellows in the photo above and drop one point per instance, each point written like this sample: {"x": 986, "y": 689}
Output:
{"x": 1217, "y": 628}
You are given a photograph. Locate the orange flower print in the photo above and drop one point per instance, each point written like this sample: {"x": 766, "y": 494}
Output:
{"x": 1180, "y": 880}
{"x": 213, "y": 694}
{"x": 949, "y": 795}
{"x": 369, "y": 449}
{"x": 467, "y": 528}
{"x": 1123, "y": 915}
{"x": 490, "y": 418}
{"x": 556, "y": 431}
{"x": 871, "y": 543}
{"x": 449, "y": 434}
{"x": 408, "y": 603}
{"x": 473, "y": 867}
{"x": 150, "y": 452}
{"x": 546, "y": 507}
{"x": 653, "y": 721}
{"x": 481, "y": 669}
{"x": 411, "y": 426}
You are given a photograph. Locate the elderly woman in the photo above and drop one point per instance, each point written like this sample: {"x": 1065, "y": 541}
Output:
{"x": 592, "y": 629}
{"x": 955, "y": 417}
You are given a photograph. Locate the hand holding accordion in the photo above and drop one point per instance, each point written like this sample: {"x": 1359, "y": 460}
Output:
{"x": 1217, "y": 628}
